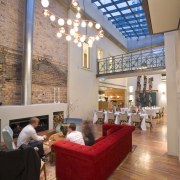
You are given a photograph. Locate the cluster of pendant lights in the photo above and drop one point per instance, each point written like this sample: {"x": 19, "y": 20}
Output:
{"x": 74, "y": 26}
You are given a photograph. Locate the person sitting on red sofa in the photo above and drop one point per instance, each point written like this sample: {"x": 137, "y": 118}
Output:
{"x": 73, "y": 135}
{"x": 88, "y": 133}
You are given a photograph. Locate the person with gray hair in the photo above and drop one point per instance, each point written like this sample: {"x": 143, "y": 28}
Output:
{"x": 28, "y": 136}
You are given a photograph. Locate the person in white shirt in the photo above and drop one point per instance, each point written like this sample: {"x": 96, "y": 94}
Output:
{"x": 28, "y": 136}
{"x": 73, "y": 135}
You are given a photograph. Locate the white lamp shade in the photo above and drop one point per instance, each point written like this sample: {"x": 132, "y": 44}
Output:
{"x": 52, "y": 18}
{"x": 45, "y": 3}
{"x": 61, "y": 22}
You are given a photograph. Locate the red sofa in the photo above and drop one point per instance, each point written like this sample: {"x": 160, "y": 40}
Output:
{"x": 97, "y": 162}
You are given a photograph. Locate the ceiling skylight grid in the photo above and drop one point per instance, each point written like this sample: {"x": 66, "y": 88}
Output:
{"x": 117, "y": 23}
{"x": 126, "y": 15}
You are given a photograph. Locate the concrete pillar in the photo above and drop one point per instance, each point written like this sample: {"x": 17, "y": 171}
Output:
{"x": 178, "y": 82}
{"x": 173, "y": 92}
{"x": 28, "y": 46}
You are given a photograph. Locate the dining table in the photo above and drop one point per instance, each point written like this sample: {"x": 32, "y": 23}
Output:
{"x": 144, "y": 116}
{"x": 123, "y": 110}
{"x": 95, "y": 118}
{"x": 151, "y": 111}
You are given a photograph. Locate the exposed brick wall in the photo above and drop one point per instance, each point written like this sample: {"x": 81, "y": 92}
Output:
{"x": 50, "y": 55}
{"x": 10, "y": 77}
{"x": 47, "y": 75}
{"x": 45, "y": 40}
{"x": 11, "y": 23}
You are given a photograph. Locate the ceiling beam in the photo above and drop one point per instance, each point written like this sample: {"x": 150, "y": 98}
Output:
{"x": 128, "y": 14}
{"x": 145, "y": 6}
{"x": 122, "y": 9}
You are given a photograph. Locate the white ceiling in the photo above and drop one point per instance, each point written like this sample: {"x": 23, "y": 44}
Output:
{"x": 164, "y": 15}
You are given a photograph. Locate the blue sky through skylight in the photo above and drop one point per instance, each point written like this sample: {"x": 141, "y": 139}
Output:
{"x": 126, "y": 15}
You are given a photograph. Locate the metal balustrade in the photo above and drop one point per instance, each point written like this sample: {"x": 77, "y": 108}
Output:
{"x": 151, "y": 60}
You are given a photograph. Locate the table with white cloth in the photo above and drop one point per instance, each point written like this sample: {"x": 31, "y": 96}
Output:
{"x": 105, "y": 117}
{"x": 152, "y": 111}
{"x": 123, "y": 110}
{"x": 95, "y": 118}
{"x": 143, "y": 116}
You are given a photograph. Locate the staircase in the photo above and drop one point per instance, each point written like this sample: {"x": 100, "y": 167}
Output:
{"x": 147, "y": 62}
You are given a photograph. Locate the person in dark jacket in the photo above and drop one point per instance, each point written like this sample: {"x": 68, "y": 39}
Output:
{"x": 20, "y": 164}
{"x": 88, "y": 133}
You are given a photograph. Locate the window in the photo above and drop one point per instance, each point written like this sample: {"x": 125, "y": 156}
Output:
{"x": 100, "y": 53}
{"x": 110, "y": 64}
{"x": 86, "y": 56}
{"x": 101, "y": 64}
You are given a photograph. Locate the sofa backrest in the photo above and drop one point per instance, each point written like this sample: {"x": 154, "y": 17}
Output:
{"x": 98, "y": 149}
{"x": 106, "y": 127}
{"x": 95, "y": 162}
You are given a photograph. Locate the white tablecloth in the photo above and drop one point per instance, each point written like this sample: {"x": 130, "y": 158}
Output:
{"x": 105, "y": 117}
{"x": 143, "y": 116}
{"x": 95, "y": 118}
{"x": 117, "y": 120}
{"x": 123, "y": 110}
{"x": 152, "y": 111}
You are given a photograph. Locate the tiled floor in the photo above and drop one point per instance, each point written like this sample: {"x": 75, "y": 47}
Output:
{"x": 148, "y": 161}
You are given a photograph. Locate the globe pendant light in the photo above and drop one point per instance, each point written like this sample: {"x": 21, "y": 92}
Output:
{"x": 75, "y": 25}
{"x": 45, "y": 3}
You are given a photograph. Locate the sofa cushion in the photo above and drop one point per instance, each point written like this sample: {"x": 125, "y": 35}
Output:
{"x": 112, "y": 130}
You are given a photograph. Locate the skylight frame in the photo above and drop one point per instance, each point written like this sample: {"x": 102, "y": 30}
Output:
{"x": 125, "y": 13}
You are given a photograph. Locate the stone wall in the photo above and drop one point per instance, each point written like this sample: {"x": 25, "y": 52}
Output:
{"x": 50, "y": 55}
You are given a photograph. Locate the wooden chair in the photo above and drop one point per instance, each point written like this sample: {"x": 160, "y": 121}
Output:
{"x": 43, "y": 169}
{"x": 161, "y": 112}
{"x": 100, "y": 116}
{"x": 123, "y": 118}
{"x": 111, "y": 118}
{"x": 133, "y": 109}
{"x": 136, "y": 120}
{"x": 149, "y": 121}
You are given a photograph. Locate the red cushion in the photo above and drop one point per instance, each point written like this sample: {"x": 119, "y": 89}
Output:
{"x": 112, "y": 130}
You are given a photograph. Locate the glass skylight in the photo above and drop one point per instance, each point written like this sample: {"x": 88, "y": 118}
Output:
{"x": 126, "y": 15}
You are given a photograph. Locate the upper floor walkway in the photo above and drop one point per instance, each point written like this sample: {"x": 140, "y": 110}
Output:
{"x": 138, "y": 63}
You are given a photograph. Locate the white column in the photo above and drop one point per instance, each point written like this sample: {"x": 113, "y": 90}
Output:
{"x": 178, "y": 81}
{"x": 173, "y": 92}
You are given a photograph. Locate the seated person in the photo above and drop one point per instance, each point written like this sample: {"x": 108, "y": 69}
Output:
{"x": 28, "y": 136}
{"x": 73, "y": 135}
{"x": 88, "y": 134}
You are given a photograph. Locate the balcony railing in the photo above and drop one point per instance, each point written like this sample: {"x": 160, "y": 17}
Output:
{"x": 128, "y": 63}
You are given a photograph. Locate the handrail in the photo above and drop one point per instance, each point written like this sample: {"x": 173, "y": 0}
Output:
{"x": 147, "y": 60}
